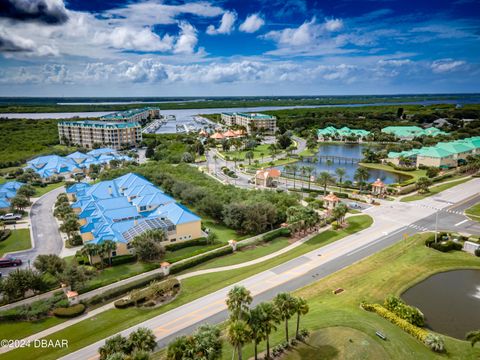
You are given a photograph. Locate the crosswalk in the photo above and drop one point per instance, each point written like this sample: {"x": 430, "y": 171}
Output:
{"x": 418, "y": 227}
{"x": 457, "y": 212}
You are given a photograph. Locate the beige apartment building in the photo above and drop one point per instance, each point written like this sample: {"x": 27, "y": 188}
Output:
{"x": 251, "y": 121}
{"x": 112, "y": 134}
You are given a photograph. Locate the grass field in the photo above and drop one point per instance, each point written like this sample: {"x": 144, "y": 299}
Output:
{"x": 43, "y": 190}
{"x": 18, "y": 240}
{"x": 335, "y": 319}
{"x": 413, "y": 175}
{"x": 112, "y": 321}
{"x": 474, "y": 212}
{"x": 257, "y": 153}
{"x": 434, "y": 190}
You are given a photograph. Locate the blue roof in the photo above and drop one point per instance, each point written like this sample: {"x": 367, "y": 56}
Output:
{"x": 8, "y": 191}
{"x": 102, "y": 151}
{"x": 78, "y": 187}
{"x": 112, "y": 207}
{"x": 4, "y": 203}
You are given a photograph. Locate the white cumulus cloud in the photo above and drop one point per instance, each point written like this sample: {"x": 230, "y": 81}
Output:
{"x": 446, "y": 65}
{"x": 187, "y": 40}
{"x": 333, "y": 24}
{"x": 226, "y": 24}
{"x": 252, "y": 23}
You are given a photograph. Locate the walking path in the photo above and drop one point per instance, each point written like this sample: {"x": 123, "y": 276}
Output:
{"x": 111, "y": 305}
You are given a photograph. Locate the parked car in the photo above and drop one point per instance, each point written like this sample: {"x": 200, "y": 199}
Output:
{"x": 11, "y": 216}
{"x": 10, "y": 261}
{"x": 354, "y": 205}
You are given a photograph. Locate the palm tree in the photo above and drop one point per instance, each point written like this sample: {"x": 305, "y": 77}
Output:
{"x": 142, "y": 339}
{"x": 339, "y": 212}
{"x": 340, "y": 173}
{"x": 89, "y": 250}
{"x": 249, "y": 156}
{"x": 473, "y": 337}
{"x": 294, "y": 170}
{"x": 255, "y": 321}
{"x": 361, "y": 175}
{"x": 309, "y": 169}
{"x": 285, "y": 303}
{"x": 262, "y": 155}
{"x": 238, "y": 334}
{"x": 435, "y": 342}
{"x": 270, "y": 318}
{"x": 324, "y": 179}
{"x": 237, "y": 301}
{"x": 109, "y": 246}
{"x": 301, "y": 307}
{"x": 113, "y": 345}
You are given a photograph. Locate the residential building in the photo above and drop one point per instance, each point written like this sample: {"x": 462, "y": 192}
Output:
{"x": 267, "y": 177}
{"x": 125, "y": 207}
{"x": 229, "y": 134}
{"x": 133, "y": 115}
{"x": 52, "y": 166}
{"x": 8, "y": 191}
{"x": 88, "y": 133}
{"x": 343, "y": 134}
{"x": 410, "y": 132}
{"x": 251, "y": 122}
{"x": 443, "y": 155}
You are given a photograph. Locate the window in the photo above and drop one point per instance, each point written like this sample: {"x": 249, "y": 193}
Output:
{"x": 114, "y": 253}
{"x": 143, "y": 208}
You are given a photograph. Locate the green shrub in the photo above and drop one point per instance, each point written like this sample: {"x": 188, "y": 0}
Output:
{"x": 435, "y": 343}
{"x": 272, "y": 235}
{"x": 413, "y": 330}
{"x": 4, "y": 234}
{"x": 123, "y": 259}
{"x": 410, "y": 313}
{"x": 477, "y": 252}
{"x": 123, "y": 289}
{"x": 123, "y": 303}
{"x": 446, "y": 246}
{"x": 184, "y": 244}
{"x": 35, "y": 311}
{"x": 69, "y": 312}
{"x": 180, "y": 266}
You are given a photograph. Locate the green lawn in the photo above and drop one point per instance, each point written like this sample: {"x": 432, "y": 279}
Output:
{"x": 43, "y": 190}
{"x": 21, "y": 329}
{"x": 18, "y": 240}
{"x": 2, "y": 180}
{"x": 177, "y": 255}
{"x": 262, "y": 148}
{"x": 474, "y": 212}
{"x": 112, "y": 321}
{"x": 118, "y": 272}
{"x": 246, "y": 254}
{"x": 434, "y": 190}
{"x": 335, "y": 319}
{"x": 414, "y": 175}
{"x": 223, "y": 232}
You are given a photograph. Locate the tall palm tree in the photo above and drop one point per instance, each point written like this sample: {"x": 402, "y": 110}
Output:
{"x": 238, "y": 334}
{"x": 340, "y": 173}
{"x": 270, "y": 317}
{"x": 301, "y": 308}
{"x": 285, "y": 304}
{"x": 142, "y": 339}
{"x": 238, "y": 299}
{"x": 309, "y": 169}
{"x": 249, "y": 156}
{"x": 294, "y": 170}
{"x": 255, "y": 321}
{"x": 324, "y": 179}
{"x": 109, "y": 247}
{"x": 89, "y": 250}
{"x": 473, "y": 337}
{"x": 361, "y": 175}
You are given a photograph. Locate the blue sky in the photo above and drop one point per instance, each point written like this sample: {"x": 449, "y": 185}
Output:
{"x": 263, "y": 47}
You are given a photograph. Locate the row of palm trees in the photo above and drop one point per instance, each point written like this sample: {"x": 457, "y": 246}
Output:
{"x": 104, "y": 251}
{"x": 325, "y": 178}
{"x": 255, "y": 324}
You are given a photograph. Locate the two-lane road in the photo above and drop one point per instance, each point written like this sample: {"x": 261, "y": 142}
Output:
{"x": 391, "y": 222}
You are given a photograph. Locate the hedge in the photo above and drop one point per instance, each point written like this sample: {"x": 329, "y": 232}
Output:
{"x": 276, "y": 233}
{"x": 184, "y": 244}
{"x": 36, "y": 310}
{"x": 443, "y": 246}
{"x": 413, "y": 330}
{"x": 123, "y": 303}
{"x": 123, "y": 289}
{"x": 4, "y": 234}
{"x": 180, "y": 266}
{"x": 69, "y": 312}
{"x": 122, "y": 259}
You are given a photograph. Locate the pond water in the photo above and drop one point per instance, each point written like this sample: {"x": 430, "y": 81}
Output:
{"x": 347, "y": 152}
{"x": 449, "y": 300}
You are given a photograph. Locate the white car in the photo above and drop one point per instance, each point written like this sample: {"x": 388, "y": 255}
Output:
{"x": 11, "y": 216}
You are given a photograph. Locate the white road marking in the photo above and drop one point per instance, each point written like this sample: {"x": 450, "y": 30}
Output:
{"x": 461, "y": 222}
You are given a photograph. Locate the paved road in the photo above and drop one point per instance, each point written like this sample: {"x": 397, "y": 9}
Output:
{"x": 391, "y": 222}
{"x": 46, "y": 238}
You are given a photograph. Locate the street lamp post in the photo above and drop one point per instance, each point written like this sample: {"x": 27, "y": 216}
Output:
{"x": 436, "y": 225}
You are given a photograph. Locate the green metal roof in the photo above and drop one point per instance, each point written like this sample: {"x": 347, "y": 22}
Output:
{"x": 454, "y": 147}
{"x": 435, "y": 152}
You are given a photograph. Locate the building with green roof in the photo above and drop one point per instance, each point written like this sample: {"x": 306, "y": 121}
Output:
{"x": 410, "y": 132}
{"x": 343, "y": 134}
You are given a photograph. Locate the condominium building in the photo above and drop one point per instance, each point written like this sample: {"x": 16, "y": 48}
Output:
{"x": 133, "y": 115}
{"x": 252, "y": 121}
{"x": 87, "y": 133}
{"x": 410, "y": 132}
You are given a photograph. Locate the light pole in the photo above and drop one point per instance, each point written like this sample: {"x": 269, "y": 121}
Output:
{"x": 436, "y": 224}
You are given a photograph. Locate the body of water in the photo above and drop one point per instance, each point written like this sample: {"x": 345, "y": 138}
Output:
{"x": 346, "y": 151}
{"x": 449, "y": 300}
{"x": 188, "y": 114}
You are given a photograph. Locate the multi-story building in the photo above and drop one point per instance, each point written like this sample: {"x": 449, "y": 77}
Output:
{"x": 134, "y": 115}
{"x": 87, "y": 133}
{"x": 252, "y": 121}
